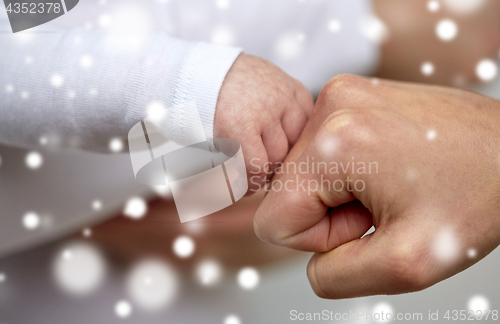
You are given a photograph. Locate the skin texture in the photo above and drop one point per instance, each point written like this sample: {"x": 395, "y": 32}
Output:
{"x": 436, "y": 194}
{"x": 264, "y": 109}
{"x": 413, "y": 41}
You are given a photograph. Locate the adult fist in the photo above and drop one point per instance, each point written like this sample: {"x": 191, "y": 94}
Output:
{"x": 265, "y": 110}
{"x": 420, "y": 163}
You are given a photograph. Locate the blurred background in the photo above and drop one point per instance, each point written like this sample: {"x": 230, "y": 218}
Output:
{"x": 82, "y": 242}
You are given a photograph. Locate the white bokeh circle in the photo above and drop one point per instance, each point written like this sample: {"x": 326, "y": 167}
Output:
{"x": 209, "y": 272}
{"x": 116, "y": 145}
{"x": 152, "y": 284}
{"x": 446, "y": 245}
{"x": 446, "y": 30}
{"x": 427, "y": 69}
{"x": 232, "y": 319}
{"x": 135, "y": 208}
{"x": 79, "y": 268}
{"x": 382, "y": 309}
{"x": 289, "y": 46}
{"x": 478, "y": 303}
{"x": 433, "y": 5}
{"x": 34, "y": 160}
{"x": 487, "y": 70}
{"x": 31, "y": 221}
{"x": 123, "y": 309}
{"x": 248, "y": 278}
{"x": 86, "y": 61}
{"x": 431, "y": 135}
{"x": 334, "y": 26}
{"x": 184, "y": 247}
{"x": 56, "y": 80}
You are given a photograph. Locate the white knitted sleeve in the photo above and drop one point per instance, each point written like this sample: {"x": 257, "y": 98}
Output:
{"x": 73, "y": 87}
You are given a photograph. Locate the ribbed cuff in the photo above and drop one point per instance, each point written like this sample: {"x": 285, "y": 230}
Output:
{"x": 202, "y": 77}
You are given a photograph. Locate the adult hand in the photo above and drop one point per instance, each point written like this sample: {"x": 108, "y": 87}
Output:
{"x": 265, "y": 110}
{"x": 430, "y": 186}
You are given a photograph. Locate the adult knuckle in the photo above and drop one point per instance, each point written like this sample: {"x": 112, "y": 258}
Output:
{"x": 344, "y": 91}
{"x": 352, "y": 129}
{"x": 341, "y": 123}
{"x": 343, "y": 82}
{"x": 343, "y": 79}
{"x": 406, "y": 269}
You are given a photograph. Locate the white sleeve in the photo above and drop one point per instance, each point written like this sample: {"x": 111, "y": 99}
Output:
{"x": 80, "y": 88}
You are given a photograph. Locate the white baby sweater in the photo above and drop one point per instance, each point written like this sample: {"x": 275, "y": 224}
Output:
{"x": 90, "y": 75}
